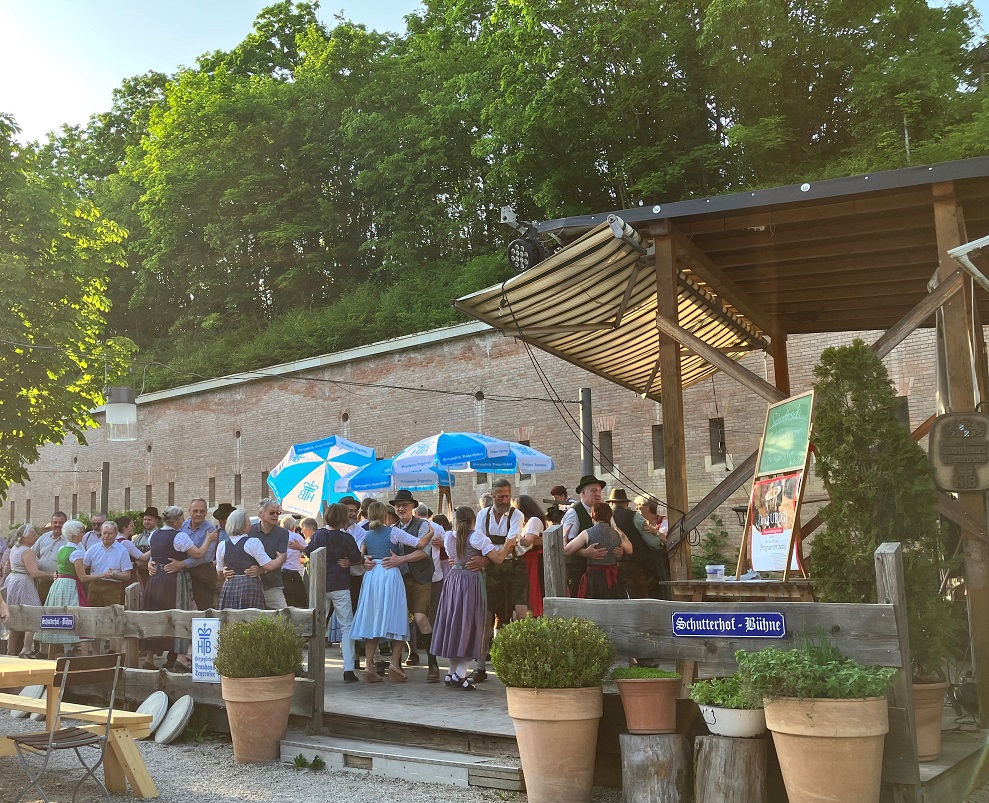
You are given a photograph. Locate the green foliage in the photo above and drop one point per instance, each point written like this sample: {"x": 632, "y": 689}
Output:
{"x": 300, "y": 762}
{"x": 641, "y": 673}
{"x": 712, "y": 550}
{"x": 267, "y": 646}
{"x": 317, "y": 764}
{"x": 881, "y": 490}
{"x": 550, "y": 653}
{"x": 726, "y": 692}
{"x": 814, "y": 670}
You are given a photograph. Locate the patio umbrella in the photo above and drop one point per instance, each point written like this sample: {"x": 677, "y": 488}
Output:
{"x": 449, "y": 450}
{"x": 304, "y": 479}
{"x": 379, "y": 476}
{"x": 521, "y": 459}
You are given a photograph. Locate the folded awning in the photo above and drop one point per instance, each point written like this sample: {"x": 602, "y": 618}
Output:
{"x": 593, "y": 303}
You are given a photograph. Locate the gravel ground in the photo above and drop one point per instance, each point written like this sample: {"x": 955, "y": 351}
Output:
{"x": 205, "y": 772}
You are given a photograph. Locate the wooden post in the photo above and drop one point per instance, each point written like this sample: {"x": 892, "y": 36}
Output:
{"x": 958, "y": 338}
{"x": 132, "y": 646}
{"x": 554, "y": 563}
{"x": 728, "y": 770}
{"x": 655, "y": 769}
{"x": 317, "y": 641}
{"x": 891, "y": 590}
{"x": 781, "y": 364}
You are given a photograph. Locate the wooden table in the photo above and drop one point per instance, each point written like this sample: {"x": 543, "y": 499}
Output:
{"x": 742, "y": 590}
{"x": 123, "y": 762}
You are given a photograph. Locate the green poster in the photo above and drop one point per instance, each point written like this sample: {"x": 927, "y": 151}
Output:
{"x": 787, "y": 435}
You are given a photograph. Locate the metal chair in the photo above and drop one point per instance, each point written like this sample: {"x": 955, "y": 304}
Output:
{"x": 97, "y": 670}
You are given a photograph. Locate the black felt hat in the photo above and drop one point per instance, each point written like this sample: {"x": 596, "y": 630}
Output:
{"x": 589, "y": 479}
{"x": 151, "y": 511}
{"x": 403, "y": 496}
{"x": 223, "y": 511}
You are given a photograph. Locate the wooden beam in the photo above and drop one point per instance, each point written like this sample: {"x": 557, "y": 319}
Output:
{"x": 725, "y": 287}
{"x": 958, "y": 339}
{"x": 924, "y": 310}
{"x": 674, "y": 446}
{"x": 954, "y": 511}
{"x": 781, "y": 364}
{"x": 738, "y": 372}
{"x": 628, "y": 295}
{"x": 316, "y": 658}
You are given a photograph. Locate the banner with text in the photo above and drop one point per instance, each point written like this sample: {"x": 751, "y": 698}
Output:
{"x": 773, "y": 513}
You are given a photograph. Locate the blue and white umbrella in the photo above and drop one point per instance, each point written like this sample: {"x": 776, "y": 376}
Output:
{"x": 304, "y": 479}
{"x": 449, "y": 450}
{"x": 379, "y": 476}
{"x": 522, "y": 459}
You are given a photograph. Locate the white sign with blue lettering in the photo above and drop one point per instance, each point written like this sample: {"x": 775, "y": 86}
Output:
{"x": 730, "y": 625}
{"x": 58, "y": 621}
{"x": 204, "y": 636}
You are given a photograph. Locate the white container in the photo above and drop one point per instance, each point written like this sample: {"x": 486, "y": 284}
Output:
{"x": 738, "y": 722}
{"x": 715, "y": 571}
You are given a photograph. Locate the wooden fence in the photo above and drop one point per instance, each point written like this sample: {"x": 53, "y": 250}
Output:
{"x": 131, "y": 624}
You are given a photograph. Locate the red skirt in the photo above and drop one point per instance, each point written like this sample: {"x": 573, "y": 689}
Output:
{"x": 534, "y": 568}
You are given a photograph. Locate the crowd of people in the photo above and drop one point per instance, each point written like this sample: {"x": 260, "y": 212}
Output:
{"x": 400, "y": 581}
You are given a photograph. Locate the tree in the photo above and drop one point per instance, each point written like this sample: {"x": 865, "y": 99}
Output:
{"x": 56, "y": 254}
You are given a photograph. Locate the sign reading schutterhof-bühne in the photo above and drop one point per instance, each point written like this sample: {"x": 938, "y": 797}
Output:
{"x": 204, "y": 636}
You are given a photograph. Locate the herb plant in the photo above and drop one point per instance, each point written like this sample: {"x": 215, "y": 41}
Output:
{"x": 712, "y": 550}
{"x": 264, "y": 647}
{"x": 552, "y": 653}
{"x": 727, "y": 692}
{"x": 642, "y": 673}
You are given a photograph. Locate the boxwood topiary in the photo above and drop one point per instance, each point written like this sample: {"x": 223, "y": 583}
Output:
{"x": 552, "y": 653}
{"x": 265, "y": 647}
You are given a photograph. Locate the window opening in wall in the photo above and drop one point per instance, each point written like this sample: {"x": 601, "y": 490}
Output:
{"x": 92, "y": 503}
{"x": 523, "y": 477}
{"x": 75, "y": 505}
{"x": 658, "y": 447}
{"x": 265, "y": 491}
{"x": 212, "y": 491}
{"x": 903, "y": 412}
{"x": 171, "y": 493}
{"x": 27, "y": 510}
{"x": 237, "y": 499}
{"x": 13, "y": 517}
{"x": 482, "y": 478}
{"x": 716, "y": 434}
{"x": 606, "y": 447}
{"x": 148, "y": 495}
{"x": 58, "y": 506}
{"x": 127, "y": 498}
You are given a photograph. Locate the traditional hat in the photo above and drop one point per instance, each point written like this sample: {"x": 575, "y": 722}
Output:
{"x": 348, "y": 500}
{"x": 404, "y": 496}
{"x": 223, "y": 511}
{"x": 618, "y": 495}
{"x": 151, "y": 511}
{"x": 589, "y": 479}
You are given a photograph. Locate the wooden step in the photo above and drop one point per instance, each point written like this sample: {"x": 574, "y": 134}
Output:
{"x": 405, "y": 761}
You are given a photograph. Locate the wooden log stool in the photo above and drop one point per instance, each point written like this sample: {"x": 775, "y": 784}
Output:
{"x": 730, "y": 770}
{"x": 655, "y": 768}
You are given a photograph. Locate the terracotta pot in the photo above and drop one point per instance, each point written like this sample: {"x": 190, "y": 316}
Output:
{"x": 928, "y": 704}
{"x": 830, "y": 751}
{"x": 650, "y": 704}
{"x": 557, "y": 732}
{"x": 737, "y": 722}
{"x": 257, "y": 709}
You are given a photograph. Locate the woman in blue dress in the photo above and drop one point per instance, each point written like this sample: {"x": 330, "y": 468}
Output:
{"x": 383, "y": 610}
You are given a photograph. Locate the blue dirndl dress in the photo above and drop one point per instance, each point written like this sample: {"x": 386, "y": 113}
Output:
{"x": 383, "y": 611}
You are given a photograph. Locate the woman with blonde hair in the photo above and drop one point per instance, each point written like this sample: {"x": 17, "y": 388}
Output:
{"x": 383, "y": 610}
{"x": 19, "y": 587}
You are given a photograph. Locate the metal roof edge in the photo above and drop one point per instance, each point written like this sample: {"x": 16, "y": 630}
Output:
{"x": 827, "y": 188}
{"x": 395, "y": 344}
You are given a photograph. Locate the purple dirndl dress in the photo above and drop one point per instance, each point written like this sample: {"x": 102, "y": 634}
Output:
{"x": 458, "y": 631}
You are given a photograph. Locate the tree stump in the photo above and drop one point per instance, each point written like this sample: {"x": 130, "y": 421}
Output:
{"x": 729, "y": 770}
{"x": 655, "y": 768}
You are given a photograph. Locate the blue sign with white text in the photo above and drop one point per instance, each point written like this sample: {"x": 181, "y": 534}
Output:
{"x": 64, "y": 621}
{"x": 729, "y": 625}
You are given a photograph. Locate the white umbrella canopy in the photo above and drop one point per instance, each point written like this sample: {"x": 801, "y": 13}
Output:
{"x": 304, "y": 478}
{"x": 449, "y": 450}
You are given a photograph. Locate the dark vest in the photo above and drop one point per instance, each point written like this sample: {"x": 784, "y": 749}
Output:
{"x": 576, "y": 561}
{"x": 234, "y": 556}
{"x": 274, "y": 543}
{"x": 422, "y": 569}
{"x": 625, "y": 521}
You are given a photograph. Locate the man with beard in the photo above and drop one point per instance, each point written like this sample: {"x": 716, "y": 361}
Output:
{"x": 46, "y": 551}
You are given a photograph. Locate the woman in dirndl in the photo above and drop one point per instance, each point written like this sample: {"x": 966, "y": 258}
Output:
{"x": 532, "y": 539}
{"x": 69, "y": 588}
{"x": 19, "y": 587}
{"x": 459, "y": 629}
{"x": 246, "y": 557}
{"x": 600, "y": 581}
{"x": 171, "y": 590}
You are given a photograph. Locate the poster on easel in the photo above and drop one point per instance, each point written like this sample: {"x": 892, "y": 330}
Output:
{"x": 774, "y": 505}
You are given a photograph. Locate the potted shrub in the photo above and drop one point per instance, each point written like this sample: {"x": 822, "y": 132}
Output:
{"x": 828, "y": 716}
{"x": 882, "y": 490}
{"x": 728, "y": 707}
{"x": 257, "y": 662}
{"x": 552, "y": 669}
{"x": 649, "y": 696}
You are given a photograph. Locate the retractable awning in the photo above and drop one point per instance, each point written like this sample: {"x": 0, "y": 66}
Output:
{"x": 594, "y": 304}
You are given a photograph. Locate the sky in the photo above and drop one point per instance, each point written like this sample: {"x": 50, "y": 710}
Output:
{"x": 60, "y": 60}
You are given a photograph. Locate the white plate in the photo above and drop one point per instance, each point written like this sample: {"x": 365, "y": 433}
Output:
{"x": 40, "y": 717}
{"x": 156, "y": 705}
{"x": 175, "y": 720}
{"x": 28, "y": 691}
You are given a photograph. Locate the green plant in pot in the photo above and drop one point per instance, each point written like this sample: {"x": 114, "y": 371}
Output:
{"x": 257, "y": 662}
{"x": 552, "y": 669}
{"x": 882, "y": 490}
{"x": 828, "y": 715}
{"x": 728, "y": 707}
{"x": 649, "y": 697}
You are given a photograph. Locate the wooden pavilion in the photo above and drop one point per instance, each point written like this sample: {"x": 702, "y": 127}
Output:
{"x": 658, "y": 298}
